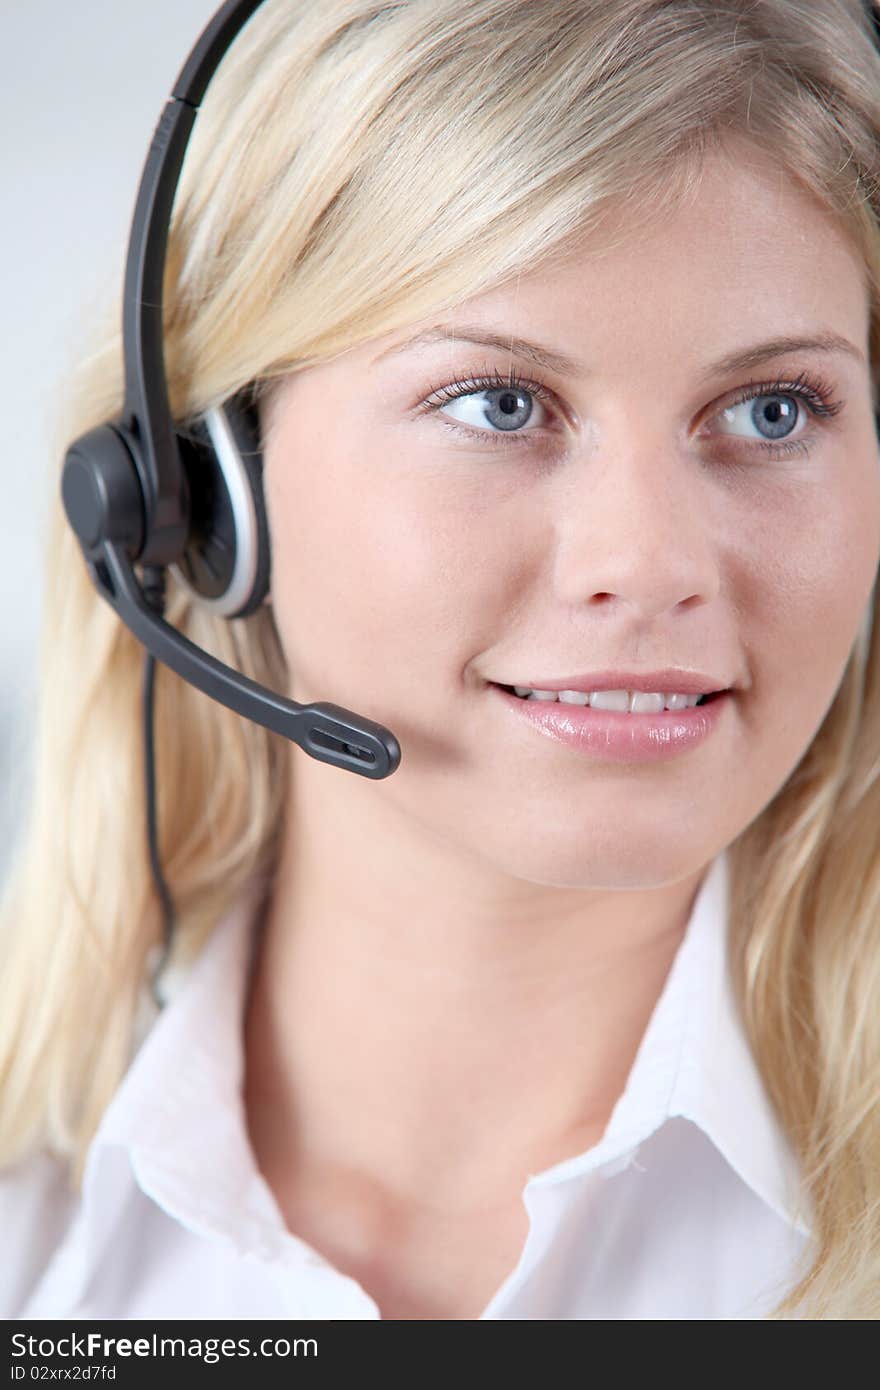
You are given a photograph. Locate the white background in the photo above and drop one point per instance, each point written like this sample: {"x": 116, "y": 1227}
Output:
{"x": 81, "y": 89}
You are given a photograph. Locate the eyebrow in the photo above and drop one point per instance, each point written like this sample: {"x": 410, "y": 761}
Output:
{"x": 552, "y": 360}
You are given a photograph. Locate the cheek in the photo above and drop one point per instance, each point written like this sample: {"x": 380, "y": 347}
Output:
{"x": 810, "y": 581}
{"x": 375, "y": 585}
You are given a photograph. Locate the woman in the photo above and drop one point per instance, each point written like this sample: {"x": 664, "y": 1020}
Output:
{"x": 571, "y": 1016}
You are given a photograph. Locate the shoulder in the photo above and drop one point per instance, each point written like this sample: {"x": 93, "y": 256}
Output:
{"x": 37, "y": 1205}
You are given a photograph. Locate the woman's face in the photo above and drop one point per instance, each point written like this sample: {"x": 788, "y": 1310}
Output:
{"x": 630, "y": 515}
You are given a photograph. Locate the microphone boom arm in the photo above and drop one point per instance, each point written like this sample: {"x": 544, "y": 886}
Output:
{"x": 326, "y": 731}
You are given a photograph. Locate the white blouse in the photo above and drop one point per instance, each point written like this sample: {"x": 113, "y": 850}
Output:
{"x": 684, "y": 1208}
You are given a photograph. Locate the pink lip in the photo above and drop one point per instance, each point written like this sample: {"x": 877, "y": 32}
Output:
{"x": 611, "y": 736}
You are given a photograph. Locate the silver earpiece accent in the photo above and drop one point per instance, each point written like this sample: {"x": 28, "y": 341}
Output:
{"x": 242, "y": 502}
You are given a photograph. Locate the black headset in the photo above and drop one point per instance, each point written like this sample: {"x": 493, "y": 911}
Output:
{"x": 140, "y": 489}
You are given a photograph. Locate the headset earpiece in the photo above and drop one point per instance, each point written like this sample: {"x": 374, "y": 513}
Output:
{"x": 103, "y": 492}
{"x": 227, "y": 562}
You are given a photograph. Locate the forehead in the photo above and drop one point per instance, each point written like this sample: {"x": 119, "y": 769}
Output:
{"x": 748, "y": 242}
{"x": 748, "y": 255}
{"x": 737, "y": 253}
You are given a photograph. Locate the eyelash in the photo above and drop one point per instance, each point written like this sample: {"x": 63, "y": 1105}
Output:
{"x": 816, "y": 393}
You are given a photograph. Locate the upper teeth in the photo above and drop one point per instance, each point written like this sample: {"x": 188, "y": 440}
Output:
{"x": 636, "y": 701}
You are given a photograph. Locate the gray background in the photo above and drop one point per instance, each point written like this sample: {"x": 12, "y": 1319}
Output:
{"x": 81, "y": 89}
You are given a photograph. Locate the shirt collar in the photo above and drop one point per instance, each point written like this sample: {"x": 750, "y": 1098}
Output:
{"x": 695, "y": 1061}
{"x": 180, "y": 1102}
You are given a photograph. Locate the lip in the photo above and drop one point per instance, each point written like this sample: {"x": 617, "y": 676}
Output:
{"x": 612, "y": 736}
{"x": 671, "y": 678}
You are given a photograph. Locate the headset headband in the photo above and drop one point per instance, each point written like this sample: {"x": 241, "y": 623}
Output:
{"x": 146, "y": 393}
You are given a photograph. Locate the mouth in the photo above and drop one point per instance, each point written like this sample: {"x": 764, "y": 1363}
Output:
{"x": 638, "y": 736}
{"x": 703, "y": 700}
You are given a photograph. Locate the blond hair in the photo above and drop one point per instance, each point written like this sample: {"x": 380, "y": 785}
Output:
{"x": 357, "y": 165}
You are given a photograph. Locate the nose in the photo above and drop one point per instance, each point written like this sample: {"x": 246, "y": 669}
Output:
{"x": 638, "y": 524}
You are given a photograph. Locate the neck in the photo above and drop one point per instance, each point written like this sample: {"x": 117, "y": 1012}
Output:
{"x": 437, "y": 1030}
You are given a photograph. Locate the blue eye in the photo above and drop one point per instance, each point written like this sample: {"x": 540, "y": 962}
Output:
{"x": 782, "y": 417}
{"x": 768, "y": 413}
{"x": 503, "y": 408}
{"x": 494, "y": 408}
